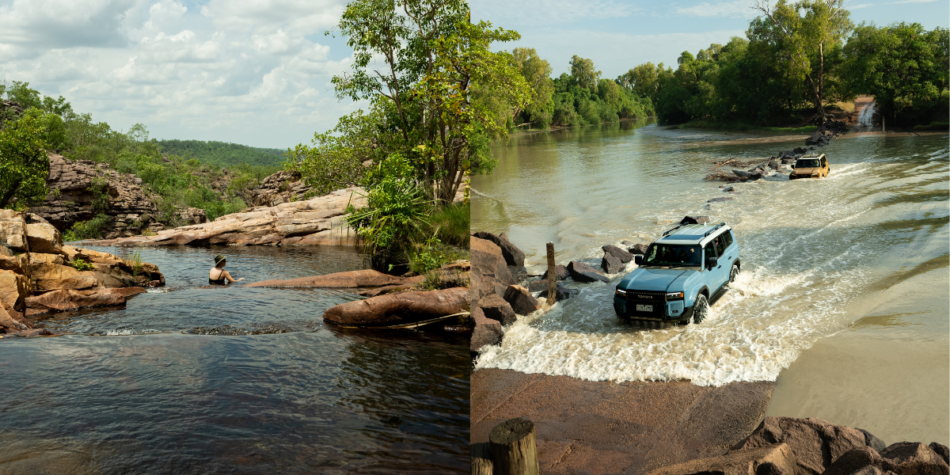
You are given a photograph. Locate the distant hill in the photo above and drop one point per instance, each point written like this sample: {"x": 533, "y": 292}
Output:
{"x": 222, "y": 154}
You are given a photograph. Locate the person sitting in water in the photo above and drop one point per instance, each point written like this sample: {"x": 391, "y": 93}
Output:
{"x": 217, "y": 275}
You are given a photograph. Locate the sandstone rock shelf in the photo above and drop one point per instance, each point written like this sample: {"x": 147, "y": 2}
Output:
{"x": 318, "y": 221}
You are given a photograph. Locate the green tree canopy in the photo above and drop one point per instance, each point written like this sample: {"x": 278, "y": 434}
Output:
{"x": 584, "y": 72}
{"x": 24, "y": 164}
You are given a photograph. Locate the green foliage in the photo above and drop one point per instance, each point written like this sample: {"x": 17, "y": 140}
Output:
{"x": 336, "y": 158}
{"x": 24, "y": 164}
{"x": 453, "y": 223}
{"x": 81, "y": 265}
{"x": 135, "y": 261}
{"x": 904, "y": 67}
{"x": 426, "y": 256}
{"x": 584, "y": 73}
{"x": 222, "y": 154}
{"x": 90, "y": 229}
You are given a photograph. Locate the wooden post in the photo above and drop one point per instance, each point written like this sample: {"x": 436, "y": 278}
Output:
{"x": 552, "y": 276}
{"x": 514, "y": 448}
{"x": 883, "y": 124}
{"x": 481, "y": 459}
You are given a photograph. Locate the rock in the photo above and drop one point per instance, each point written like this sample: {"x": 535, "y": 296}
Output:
{"x": 873, "y": 442}
{"x": 560, "y": 273}
{"x": 521, "y": 300}
{"x": 399, "y": 308}
{"x": 816, "y": 443}
{"x": 11, "y": 320}
{"x": 342, "y": 280}
{"x": 13, "y": 231}
{"x": 14, "y": 288}
{"x": 741, "y": 174}
{"x": 723, "y": 198}
{"x": 33, "y": 332}
{"x": 561, "y": 293}
{"x": 189, "y": 216}
{"x": 611, "y": 264}
{"x": 281, "y": 187}
{"x": 730, "y": 189}
{"x": 640, "y": 249}
{"x": 513, "y": 255}
{"x": 538, "y": 285}
{"x": 900, "y": 458}
{"x": 800, "y": 150}
{"x": 620, "y": 254}
{"x": 775, "y": 459}
{"x": 497, "y": 308}
{"x": 64, "y": 300}
{"x": 686, "y": 220}
{"x": 581, "y": 272}
{"x": 941, "y": 450}
{"x": 487, "y": 331}
{"x": 489, "y": 268}
{"x": 818, "y": 139}
{"x": 518, "y": 273}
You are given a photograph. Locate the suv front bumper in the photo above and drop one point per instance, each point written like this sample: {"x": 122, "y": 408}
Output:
{"x": 662, "y": 310}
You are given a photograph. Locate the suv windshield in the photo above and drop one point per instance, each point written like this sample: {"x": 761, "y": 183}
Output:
{"x": 807, "y": 164}
{"x": 673, "y": 255}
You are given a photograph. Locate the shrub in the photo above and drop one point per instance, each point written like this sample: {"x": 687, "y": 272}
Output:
{"x": 81, "y": 265}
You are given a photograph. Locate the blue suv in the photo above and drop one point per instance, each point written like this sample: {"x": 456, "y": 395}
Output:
{"x": 679, "y": 275}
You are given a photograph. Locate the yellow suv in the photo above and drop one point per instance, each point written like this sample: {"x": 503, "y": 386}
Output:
{"x": 810, "y": 166}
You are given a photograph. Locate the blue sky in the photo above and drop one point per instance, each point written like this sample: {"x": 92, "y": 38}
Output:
{"x": 258, "y": 72}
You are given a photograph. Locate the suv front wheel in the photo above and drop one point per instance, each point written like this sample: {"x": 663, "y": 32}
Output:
{"x": 700, "y": 309}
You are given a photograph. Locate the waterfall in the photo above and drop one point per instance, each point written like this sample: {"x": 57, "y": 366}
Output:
{"x": 866, "y": 114}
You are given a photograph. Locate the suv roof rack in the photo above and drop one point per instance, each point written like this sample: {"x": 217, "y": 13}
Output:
{"x": 668, "y": 231}
{"x": 714, "y": 229}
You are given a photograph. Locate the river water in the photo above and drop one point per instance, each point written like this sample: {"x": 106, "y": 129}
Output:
{"x": 843, "y": 295}
{"x": 194, "y": 379}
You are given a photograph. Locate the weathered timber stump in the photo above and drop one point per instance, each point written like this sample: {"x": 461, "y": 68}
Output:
{"x": 481, "y": 459}
{"x": 514, "y": 448}
{"x": 552, "y": 275}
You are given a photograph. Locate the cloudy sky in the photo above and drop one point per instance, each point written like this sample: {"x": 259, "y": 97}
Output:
{"x": 257, "y": 72}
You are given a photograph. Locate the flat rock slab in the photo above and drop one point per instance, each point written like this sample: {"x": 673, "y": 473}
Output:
{"x": 342, "y": 280}
{"x": 401, "y": 308}
{"x": 604, "y": 427}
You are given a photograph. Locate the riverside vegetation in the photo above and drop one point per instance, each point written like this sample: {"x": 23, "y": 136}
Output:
{"x": 798, "y": 63}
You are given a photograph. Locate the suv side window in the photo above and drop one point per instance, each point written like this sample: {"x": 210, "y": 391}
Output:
{"x": 727, "y": 238}
{"x": 719, "y": 243}
{"x": 710, "y": 251}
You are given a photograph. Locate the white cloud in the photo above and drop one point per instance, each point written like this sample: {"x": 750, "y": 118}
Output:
{"x": 243, "y": 71}
{"x": 548, "y": 12}
{"x": 734, "y": 9}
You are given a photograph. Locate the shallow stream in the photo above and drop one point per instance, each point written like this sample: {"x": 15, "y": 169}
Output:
{"x": 843, "y": 295}
{"x": 198, "y": 379}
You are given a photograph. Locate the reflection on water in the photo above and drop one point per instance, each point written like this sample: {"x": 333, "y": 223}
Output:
{"x": 206, "y": 380}
{"x": 816, "y": 254}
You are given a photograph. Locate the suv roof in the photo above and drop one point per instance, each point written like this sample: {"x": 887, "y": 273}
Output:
{"x": 693, "y": 233}
{"x": 812, "y": 155}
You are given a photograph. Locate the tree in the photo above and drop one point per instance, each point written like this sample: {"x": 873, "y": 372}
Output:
{"x": 432, "y": 57}
{"x": 584, "y": 73}
{"x": 24, "y": 164}
{"x": 825, "y": 24}
{"x": 537, "y": 74}
{"x": 902, "y": 66}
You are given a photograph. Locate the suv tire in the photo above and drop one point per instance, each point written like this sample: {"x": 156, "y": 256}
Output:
{"x": 700, "y": 309}
{"x": 733, "y": 273}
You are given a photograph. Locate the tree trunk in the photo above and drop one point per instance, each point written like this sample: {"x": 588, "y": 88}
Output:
{"x": 514, "y": 449}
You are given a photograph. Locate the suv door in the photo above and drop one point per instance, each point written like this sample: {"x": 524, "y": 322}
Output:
{"x": 720, "y": 272}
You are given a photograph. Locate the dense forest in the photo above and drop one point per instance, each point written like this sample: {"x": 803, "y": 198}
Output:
{"x": 174, "y": 181}
{"x": 798, "y": 62}
{"x": 223, "y": 154}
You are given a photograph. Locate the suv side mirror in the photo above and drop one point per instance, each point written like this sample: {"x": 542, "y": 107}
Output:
{"x": 712, "y": 261}
{"x": 638, "y": 259}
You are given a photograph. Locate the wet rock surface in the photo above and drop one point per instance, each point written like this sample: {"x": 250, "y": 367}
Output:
{"x": 560, "y": 273}
{"x": 521, "y": 300}
{"x": 399, "y": 308}
{"x": 513, "y": 255}
{"x": 581, "y": 272}
{"x": 605, "y": 427}
{"x": 497, "y": 308}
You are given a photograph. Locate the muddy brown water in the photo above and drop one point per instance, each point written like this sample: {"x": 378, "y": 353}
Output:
{"x": 843, "y": 295}
{"x": 198, "y": 379}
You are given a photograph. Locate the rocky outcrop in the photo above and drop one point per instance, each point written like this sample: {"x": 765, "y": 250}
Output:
{"x": 281, "y": 187}
{"x": 343, "y": 280}
{"x": 486, "y": 331}
{"x": 399, "y": 308}
{"x": 318, "y": 221}
{"x": 490, "y": 272}
{"x": 775, "y": 459}
{"x": 74, "y": 186}
{"x": 38, "y": 274}
{"x": 513, "y": 256}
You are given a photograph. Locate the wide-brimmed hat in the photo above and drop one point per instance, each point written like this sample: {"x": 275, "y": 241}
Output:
{"x": 219, "y": 259}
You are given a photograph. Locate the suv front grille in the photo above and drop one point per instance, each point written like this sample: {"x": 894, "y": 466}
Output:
{"x": 643, "y": 297}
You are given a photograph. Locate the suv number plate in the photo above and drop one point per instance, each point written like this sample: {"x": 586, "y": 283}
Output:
{"x": 644, "y": 308}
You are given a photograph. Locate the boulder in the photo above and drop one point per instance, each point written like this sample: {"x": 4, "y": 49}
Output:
{"x": 723, "y": 198}
{"x": 342, "y": 280}
{"x": 873, "y": 442}
{"x": 13, "y": 231}
{"x": 518, "y": 273}
{"x": 487, "y": 331}
{"x": 13, "y": 288}
{"x": 11, "y": 320}
{"x": 900, "y": 458}
{"x": 775, "y": 459}
{"x": 489, "y": 269}
{"x": 50, "y": 276}
{"x": 43, "y": 237}
{"x": 399, "y": 308}
{"x": 560, "y": 273}
{"x": 497, "y": 308}
{"x": 620, "y": 254}
{"x": 816, "y": 443}
{"x": 64, "y": 300}
{"x": 640, "y": 249}
{"x": 610, "y": 264}
{"x": 696, "y": 219}
{"x": 538, "y": 285}
{"x": 513, "y": 255}
{"x": 581, "y": 272}
{"x": 521, "y": 300}
{"x": 941, "y": 450}
{"x": 12, "y": 263}
{"x": 561, "y": 293}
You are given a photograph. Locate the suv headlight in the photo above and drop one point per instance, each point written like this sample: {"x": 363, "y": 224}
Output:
{"x": 621, "y": 292}
{"x": 674, "y": 296}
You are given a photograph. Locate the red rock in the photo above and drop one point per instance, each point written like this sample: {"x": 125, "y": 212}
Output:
{"x": 498, "y": 309}
{"x": 775, "y": 459}
{"x": 489, "y": 269}
{"x": 487, "y": 331}
{"x": 63, "y": 300}
{"x": 816, "y": 443}
{"x": 521, "y": 300}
